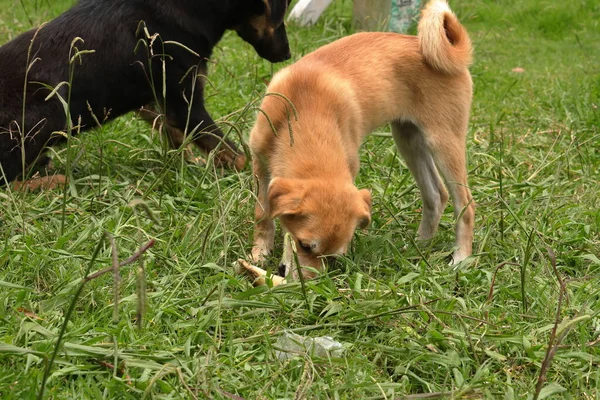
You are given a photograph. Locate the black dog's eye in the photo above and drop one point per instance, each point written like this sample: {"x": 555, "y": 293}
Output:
{"x": 304, "y": 246}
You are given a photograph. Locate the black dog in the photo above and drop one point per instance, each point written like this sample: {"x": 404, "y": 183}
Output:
{"x": 114, "y": 77}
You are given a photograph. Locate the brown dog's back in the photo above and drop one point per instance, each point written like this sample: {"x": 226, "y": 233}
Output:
{"x": 363, "y": 71}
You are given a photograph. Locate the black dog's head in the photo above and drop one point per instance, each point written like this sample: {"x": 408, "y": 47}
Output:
{"x": 264, "y": 29}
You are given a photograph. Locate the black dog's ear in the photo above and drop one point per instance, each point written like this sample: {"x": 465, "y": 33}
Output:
{"x": 267, "y": 4}
{"x": 275, "y": 10}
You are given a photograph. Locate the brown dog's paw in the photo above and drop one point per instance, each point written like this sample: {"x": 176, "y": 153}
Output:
{"x": 40, "y": 183}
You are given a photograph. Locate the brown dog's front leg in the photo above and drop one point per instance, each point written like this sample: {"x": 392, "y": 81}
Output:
{"x": 264, "y": 230}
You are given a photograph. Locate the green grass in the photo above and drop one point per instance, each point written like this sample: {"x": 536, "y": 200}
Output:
{"x": 409, "y": 323}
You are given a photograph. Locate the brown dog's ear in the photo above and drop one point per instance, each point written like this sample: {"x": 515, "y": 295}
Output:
{"x": 364, "y": 218}
{"x": 365, "y": 194}
{"x": 285, "y": 196}
{"x": 364, "y": 221}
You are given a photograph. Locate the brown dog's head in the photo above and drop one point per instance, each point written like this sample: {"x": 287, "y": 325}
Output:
{"x": 263, "y": 27}
{"x": 320, "y": 215}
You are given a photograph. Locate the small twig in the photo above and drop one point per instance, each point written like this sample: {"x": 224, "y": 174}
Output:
{"x": 64, "y": 324}
{"x": 167, "y": 369}
{"x": 469, "y": 339}
{"x": 88, "y": 277}
{"x": 214, "y": 289}
{"x": 185, "y": 385}
{"x": 141, "y": 292}
{"x": 526, "y": 259}
{"x": 412, "y": 240}
{"x": 273, "y": 378}
{"x": 593, "y": 343}
{"x": 470, "y": 394}
{"x": 230, "y": 395}
{"x": 392, "y": 312}
{"x": 307, "y": 380}
{"x": 349, "y": 291}
{"x": 433, "y": 316}
{"x": 491, "y": 292}
{"x": 296, "y": 260}
{"x": 498, "y": 267}
{"x": 481, "y": 321}
{"x": 338, "y": 324}
{"x": 552, "y": 347}
{"x": 116, "y": 276}
{"x": 131, "y": 259}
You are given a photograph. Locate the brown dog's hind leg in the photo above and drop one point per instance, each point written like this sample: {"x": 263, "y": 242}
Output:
{"x": 417, "y": 155}
{"x": 448, "y": 149}
{"x": 425, "y": 155}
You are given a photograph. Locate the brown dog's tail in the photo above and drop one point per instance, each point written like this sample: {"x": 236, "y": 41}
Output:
{"x": 444, "y": 42}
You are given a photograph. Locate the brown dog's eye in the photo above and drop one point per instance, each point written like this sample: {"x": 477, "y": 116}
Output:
{"x": 304, "y": 246}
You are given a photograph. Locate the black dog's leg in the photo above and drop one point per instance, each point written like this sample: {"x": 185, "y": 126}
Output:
{"x": 10, "y": 162}
{"x": 11, "y": 152}
{"x": 209, "y": 137}
{"x": 206, "y": 134}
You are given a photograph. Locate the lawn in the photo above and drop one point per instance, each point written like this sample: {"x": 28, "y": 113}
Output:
{"x": 179, "y": 323}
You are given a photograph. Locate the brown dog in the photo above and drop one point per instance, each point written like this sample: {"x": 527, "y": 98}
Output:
{"x": 342, "y": 92}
